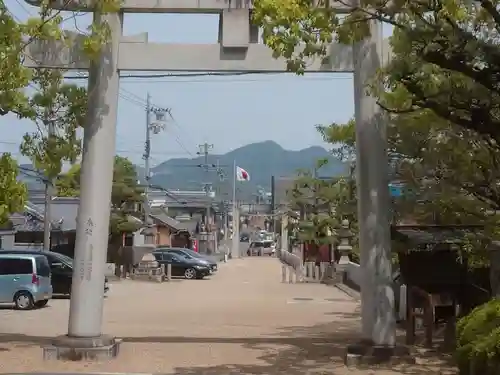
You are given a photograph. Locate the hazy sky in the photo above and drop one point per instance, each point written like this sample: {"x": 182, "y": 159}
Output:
{"x": 226, "y": 111}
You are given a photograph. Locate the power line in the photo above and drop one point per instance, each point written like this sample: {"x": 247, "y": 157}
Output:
{"x": 169, "y": 75}
{"x": 302, "y": 79}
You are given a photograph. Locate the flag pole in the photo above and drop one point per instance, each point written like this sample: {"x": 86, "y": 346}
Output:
{"x": 235, "y": 248}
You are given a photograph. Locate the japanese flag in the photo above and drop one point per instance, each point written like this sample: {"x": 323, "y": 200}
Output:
{"x": 242, "y": 175}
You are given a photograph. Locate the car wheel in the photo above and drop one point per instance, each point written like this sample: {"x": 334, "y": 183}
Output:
{"x": 23, "y": 301}
{"x": 40, "y": 304}
{"x": 190, "y": 273}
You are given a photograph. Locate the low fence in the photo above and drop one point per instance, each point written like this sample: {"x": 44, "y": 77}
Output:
{"x": 293, "y": 270}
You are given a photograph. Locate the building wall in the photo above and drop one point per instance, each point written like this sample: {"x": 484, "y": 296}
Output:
{"x": 7, "y": 241}
{"x": 163, "y": 236}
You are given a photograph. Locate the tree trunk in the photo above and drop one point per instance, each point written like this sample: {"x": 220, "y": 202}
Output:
{"x": 495, "y": 269}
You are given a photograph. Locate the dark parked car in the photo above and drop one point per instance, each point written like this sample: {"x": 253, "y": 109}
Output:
{"x": 191, "y": 254}
{"x": 244, "y": 237}
{"x": 61, "y": 267}
{"x": 182, "y": 266}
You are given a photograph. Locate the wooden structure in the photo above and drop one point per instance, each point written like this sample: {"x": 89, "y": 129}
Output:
{"x": 438, "y": 281}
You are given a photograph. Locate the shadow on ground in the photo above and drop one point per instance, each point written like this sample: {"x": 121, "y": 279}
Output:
{"x": 317, "y": 349}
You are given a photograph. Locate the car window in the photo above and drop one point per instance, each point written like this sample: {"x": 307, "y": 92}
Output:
{"x": 177, "y": 252}
{"x": 65, "y": 258}
{"x": 267, "y": 244}
{"x": 13, "y": 266}
{"x": 168, "y": 256}
{"x": 257, "y": 244}
{"x": 192, "y": 253}
{"x": 42, "y": 267}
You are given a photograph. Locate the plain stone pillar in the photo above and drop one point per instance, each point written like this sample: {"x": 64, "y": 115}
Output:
{"x": 235, "y": 248}
{"x": 86, "y": 305}
{"x": 169, "y": 271}
{"x": 283, "y": 273}
{"x": 377, "y": 296}
{"x": 291, "y": 272}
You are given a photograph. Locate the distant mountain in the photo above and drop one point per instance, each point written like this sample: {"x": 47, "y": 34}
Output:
{"x": 261, "y": 160}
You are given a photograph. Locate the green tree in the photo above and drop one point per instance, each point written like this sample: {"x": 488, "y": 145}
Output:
{"x": 126, "y": 195}
{"x": 326, "y": 202}
{"x": 443, "y": 72}
{"x": 445, "y": 52}
{"x": 12, "y": 192}
{"x": 68, "y": 184}
{"x": 58, "y": 110}
{"x": 312, "y": 196}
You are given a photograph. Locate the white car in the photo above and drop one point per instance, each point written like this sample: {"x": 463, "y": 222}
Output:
{"x": 261, "y": 248}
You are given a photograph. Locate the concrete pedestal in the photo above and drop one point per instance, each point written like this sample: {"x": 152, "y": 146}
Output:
{"x": 366, "y": 353}
{"x": 82, "y": 348}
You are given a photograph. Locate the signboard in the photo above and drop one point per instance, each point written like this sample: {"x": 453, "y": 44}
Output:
{"x": 396, "y": 190}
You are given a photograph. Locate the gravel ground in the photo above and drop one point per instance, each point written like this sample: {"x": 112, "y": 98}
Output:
{"x": 242, "y": 320}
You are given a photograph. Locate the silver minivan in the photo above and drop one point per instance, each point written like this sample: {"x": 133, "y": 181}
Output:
{"x": 25, "y": 280}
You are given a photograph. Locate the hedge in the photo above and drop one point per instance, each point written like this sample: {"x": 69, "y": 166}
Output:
{"x": 478, "y": 340}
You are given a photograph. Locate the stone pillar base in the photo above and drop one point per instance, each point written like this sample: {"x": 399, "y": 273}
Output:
{"x": 366, "y": 353}
{"x": 82, "y": 348}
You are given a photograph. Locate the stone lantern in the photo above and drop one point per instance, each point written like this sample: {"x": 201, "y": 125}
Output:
{"x": 344, "y": 247}
{"x": 149, "y": 233}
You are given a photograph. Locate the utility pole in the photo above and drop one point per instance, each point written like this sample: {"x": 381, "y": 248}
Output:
{"x": 273, "y": 204}
{"x": 156, "y": 127}
{"x": 47, "y": 218}
{"x": 205, "y": 150}
{"x": 147, "y": 156}
{"x": 235, "y": 248}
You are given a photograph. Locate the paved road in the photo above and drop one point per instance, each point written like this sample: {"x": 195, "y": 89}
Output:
{"x": 242, "y": 320}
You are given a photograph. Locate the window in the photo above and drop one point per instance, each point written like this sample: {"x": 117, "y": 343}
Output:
{"x": 42, "y": 267}
{"x": 180, "y": 254}
{"x": 129, "y": 240}
{"x": 13, "y": 266}
{"x": 168, "y": 257}
{"x": 64, "y": 259}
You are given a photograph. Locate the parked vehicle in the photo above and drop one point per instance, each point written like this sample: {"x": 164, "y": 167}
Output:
{"x": 182, "y": 266}
{"x": 191, "y": 254}
{"x": 244, "y": 237}
{"x": 261, "y": 248}
{"x": 25, "y": 280}
{"x": 61, "y": 268}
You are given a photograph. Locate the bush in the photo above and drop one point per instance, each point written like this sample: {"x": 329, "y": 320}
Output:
{"x": 478, "y": 340}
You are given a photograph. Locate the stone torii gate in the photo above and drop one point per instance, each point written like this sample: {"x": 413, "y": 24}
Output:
{"x": 238, "y": 50}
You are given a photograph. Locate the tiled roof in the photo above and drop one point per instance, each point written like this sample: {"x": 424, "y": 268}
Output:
{"x": 180, "y": 199}
{"x": 167, "y": 220}
{"x": 63, "y": 214}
